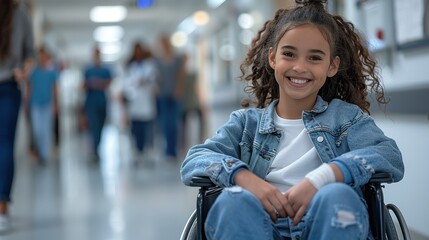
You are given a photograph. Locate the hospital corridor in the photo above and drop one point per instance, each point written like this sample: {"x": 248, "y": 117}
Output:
{"x": 70, "y": 197}
{"x": 111, "y": 95}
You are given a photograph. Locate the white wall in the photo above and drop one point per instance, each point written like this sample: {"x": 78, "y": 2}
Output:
{"x": 407, "y": 69}
{"x": 411, "y": 133}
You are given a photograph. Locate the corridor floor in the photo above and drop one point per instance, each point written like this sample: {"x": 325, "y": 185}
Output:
{"x": 70, "y": 198}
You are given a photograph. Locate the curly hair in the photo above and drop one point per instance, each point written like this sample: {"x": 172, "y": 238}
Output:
{"x": 6, "y": 14}
{"x": 357, "y": 73}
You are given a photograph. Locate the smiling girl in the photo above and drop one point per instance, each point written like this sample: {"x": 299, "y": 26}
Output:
{"x": 293, "y": 165}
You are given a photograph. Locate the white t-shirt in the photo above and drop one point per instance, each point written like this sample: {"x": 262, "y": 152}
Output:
{"x": 296, "y": 155}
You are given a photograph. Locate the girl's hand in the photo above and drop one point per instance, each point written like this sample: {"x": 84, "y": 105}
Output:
{"x": 299, "y": 197}
{"x": 274, "y": 202}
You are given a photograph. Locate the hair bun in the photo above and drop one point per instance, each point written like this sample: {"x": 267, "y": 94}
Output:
{"x": 308, "y": 2}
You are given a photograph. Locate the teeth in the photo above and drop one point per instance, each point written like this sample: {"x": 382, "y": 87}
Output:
{"x": 298, "y": 81}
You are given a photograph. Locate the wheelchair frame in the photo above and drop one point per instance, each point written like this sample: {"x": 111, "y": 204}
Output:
{"x": 381, "y": 221}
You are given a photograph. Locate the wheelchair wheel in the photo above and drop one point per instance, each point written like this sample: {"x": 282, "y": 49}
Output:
{"x": 389, "y": 226}
{"x": 401, "y": 220}
{"x": 190, "y": 231}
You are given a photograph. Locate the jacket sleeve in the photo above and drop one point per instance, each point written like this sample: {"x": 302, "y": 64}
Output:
{"x": 219, "y": 156}
{"x": 370, "y": 151}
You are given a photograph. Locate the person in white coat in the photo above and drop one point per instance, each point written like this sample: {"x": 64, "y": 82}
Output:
{"x": 140, "y": 91}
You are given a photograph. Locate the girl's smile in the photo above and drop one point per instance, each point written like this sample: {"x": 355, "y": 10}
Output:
{"x": 297, "y": 82}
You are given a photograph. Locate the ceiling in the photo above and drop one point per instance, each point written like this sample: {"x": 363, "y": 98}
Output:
{"x": 64, "y": 25}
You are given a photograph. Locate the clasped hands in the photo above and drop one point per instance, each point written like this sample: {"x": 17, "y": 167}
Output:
{"x": 292, "y": 204}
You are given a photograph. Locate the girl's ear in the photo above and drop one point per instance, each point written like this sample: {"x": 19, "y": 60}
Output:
{"x": 333, "y": 68}
{"x": 272, "y": 58}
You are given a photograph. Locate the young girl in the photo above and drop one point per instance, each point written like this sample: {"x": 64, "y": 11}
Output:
{"x": 294, "y": 165}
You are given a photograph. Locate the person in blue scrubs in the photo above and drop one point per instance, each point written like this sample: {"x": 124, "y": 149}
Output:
{"x": 97, "y": 78}
{"x": 42, "y": 90}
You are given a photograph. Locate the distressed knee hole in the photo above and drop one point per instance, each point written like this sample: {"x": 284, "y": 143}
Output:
{"x": 344, "y": 218}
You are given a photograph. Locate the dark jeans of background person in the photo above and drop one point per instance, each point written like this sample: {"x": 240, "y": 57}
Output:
{"x": 186, "y": 114}
{"x": 96, "y": 112}
{"x": 169, "y": 109}
{"x": 10, "y": 101}
{"x": 142, "y": 132}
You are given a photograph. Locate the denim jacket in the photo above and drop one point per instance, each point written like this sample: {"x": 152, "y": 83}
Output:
{"x": 340, "y": 131}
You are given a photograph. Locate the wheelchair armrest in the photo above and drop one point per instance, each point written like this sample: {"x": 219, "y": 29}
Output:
{"x": 201, "y": 182}
{"x": 381, "y": 177}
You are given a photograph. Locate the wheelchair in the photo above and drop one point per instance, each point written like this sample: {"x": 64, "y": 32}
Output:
{"x": 380, "y": 217}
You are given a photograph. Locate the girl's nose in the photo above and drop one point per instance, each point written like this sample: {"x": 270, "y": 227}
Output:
{"x": 300, "y": 66}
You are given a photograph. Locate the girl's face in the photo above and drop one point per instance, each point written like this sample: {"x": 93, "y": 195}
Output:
{"x": 301, "y": 64}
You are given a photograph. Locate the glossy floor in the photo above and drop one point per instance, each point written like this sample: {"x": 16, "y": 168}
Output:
{"x": 118, "y": 199}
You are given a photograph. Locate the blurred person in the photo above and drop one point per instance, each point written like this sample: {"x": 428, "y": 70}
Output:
{"x": 97, "y": 79}
{"x": 140, "y": 96}
{"x": 43, "y": 104}
{"x": 171, "y": 67}
{"x": 16, "y": 54}
{"x": 192, "y": 107}
{"x": 52, "y": 65}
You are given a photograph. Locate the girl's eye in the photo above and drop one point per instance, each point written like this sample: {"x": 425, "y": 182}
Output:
{"x": 288, "y": 54}
{"x": 315, "y": 58}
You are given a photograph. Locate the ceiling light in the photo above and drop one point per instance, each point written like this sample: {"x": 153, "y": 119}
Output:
{"x": 109, "y": 58}
{"x": 108, "y": 14}
{"x": 110, "y": 47}
{"x": 201, "y": 18}
{"x": 108, "y": 33}
{"x": 179, "y": 39}
{"x": 246, "y": 21}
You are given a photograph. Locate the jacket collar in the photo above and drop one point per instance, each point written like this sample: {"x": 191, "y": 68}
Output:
{"x": 267, "y": 118}
{"x": 320, "y": 106}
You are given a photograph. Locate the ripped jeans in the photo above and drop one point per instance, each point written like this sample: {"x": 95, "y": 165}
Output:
{"x": 336, "y": 212}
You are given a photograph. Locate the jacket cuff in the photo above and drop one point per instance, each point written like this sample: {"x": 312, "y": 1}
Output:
{"x": 232, "y": 167}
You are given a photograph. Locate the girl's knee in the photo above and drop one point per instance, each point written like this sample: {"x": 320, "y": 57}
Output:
{"x": 338, "y": 207}
{"x": 337, "y": 192}
{"x": 340, "y": 200}
{"x": 233, "y": 203}
{"x": 236, "y": 196}
{"x": 337, "y": 196}
{"x": 240, "y": 207}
